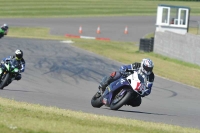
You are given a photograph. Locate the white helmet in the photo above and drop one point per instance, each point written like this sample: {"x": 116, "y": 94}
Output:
{"x": 147, "y": 66}
{"x": 4, "y": 27}
{"x": 18, "y": 54}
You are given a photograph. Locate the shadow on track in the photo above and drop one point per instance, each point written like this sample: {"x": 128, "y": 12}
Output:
{"x": 139, "y": 112}
{"x": 144, "y": 112}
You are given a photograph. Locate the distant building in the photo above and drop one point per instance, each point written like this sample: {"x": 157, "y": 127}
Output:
{"x": 173, "y": 18}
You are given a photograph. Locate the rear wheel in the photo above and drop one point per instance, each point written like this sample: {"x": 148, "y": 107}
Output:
{"x": 95, "y": 102}
{"x": 120, "y": 100}
{"x": 4, "y": 80}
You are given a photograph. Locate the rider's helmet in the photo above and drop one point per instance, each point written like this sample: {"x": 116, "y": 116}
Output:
{"x": 147, "y": 66}
{"x": 4, "y": 27}
{"x": 18, "y": 54}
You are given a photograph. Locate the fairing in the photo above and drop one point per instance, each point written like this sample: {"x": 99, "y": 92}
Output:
{"x": 109, "y": 92}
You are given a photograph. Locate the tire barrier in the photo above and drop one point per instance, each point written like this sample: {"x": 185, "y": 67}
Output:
{"x": 146, "y": 45}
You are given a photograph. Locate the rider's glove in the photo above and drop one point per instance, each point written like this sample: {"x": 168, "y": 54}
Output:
{"x": 7, "y": 60}
{"x": 136, "y": 65}
{"x": 125, "y": 72}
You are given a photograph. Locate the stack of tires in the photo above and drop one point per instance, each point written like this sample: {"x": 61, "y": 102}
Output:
{"x": 146, "y": 45}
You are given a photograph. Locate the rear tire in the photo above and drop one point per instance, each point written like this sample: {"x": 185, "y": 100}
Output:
{"x": 3, "y": 83}
{"x": 96, "y": 100}
{"x": 123, "y": 101}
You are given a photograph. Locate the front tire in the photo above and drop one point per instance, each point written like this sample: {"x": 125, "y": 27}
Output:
{"x": 96, "y": 100}
{"x": 124, "y": 99}
{"x": 5, "y": 79}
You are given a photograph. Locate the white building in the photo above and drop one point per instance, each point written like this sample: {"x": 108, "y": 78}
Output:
{"x": 172, "y": 18}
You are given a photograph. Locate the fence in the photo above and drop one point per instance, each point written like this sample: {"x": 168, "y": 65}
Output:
{"x": 198, "y": 33}
{"x": 194, "y": 27}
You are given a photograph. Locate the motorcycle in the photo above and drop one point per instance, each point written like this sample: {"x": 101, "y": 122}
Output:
{"x": 8, "y": 71}
{"x": 120, "y": 92}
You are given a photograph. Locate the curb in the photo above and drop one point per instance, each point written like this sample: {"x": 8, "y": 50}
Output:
{"x": 87, "y": 37}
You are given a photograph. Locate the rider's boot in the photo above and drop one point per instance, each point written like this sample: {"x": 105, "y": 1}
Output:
{"x": 105, "y": 83}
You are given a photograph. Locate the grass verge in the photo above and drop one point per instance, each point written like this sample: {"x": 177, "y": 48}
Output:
{"x": 21, "y": 117}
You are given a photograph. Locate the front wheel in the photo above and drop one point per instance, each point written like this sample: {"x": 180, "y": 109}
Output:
{"x": 96, "y": 100}
{"x": 4, "y": 80}
{"x": 119, "y": 101}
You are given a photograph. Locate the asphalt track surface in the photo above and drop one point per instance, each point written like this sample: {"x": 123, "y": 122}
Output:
{"x": 61, "y": 75}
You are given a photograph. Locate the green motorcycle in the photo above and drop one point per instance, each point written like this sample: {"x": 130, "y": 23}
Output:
{"x": 8, "y": 72}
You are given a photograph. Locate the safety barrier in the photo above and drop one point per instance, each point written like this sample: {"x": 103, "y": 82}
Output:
{"x": 146, "y": 45}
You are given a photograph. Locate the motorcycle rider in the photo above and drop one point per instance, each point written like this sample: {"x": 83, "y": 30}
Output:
{"x": 144, "y": 68}
{"x": 3, "y": 30}
{"x": 19, "y": 57}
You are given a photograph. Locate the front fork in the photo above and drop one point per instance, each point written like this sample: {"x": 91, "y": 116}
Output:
{"x": 2, "y": 69}
{"x": 1, "y": 73}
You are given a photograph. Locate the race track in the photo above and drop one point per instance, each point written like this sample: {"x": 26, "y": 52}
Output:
{"x": 67, "y": 77}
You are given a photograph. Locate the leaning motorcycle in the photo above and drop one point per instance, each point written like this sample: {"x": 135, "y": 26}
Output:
{"x": 120, "y": 92}
{"x": 8, "y": 71}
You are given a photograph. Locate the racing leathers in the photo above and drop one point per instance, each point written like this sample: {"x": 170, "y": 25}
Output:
{"x": 125, "y": 71}
{"x": 21, "y": 66}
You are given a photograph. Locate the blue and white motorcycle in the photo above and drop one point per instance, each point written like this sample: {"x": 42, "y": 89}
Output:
{"x": 120, "y": 92}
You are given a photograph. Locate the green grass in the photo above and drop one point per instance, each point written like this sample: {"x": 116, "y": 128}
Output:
{"x": 21, "y": 117}
{"x": 69, "y": 8}
{"x": 18, "y": 117}
{"x": 64, "y": 120}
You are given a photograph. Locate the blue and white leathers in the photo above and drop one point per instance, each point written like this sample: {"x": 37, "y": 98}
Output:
{"x": 149, "y": 81}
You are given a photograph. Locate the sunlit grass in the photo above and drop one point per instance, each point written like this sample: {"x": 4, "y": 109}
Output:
{"x": 21, "y": 117}
{"x": 69, "y": 8}
{"x": 18, "y": 117}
